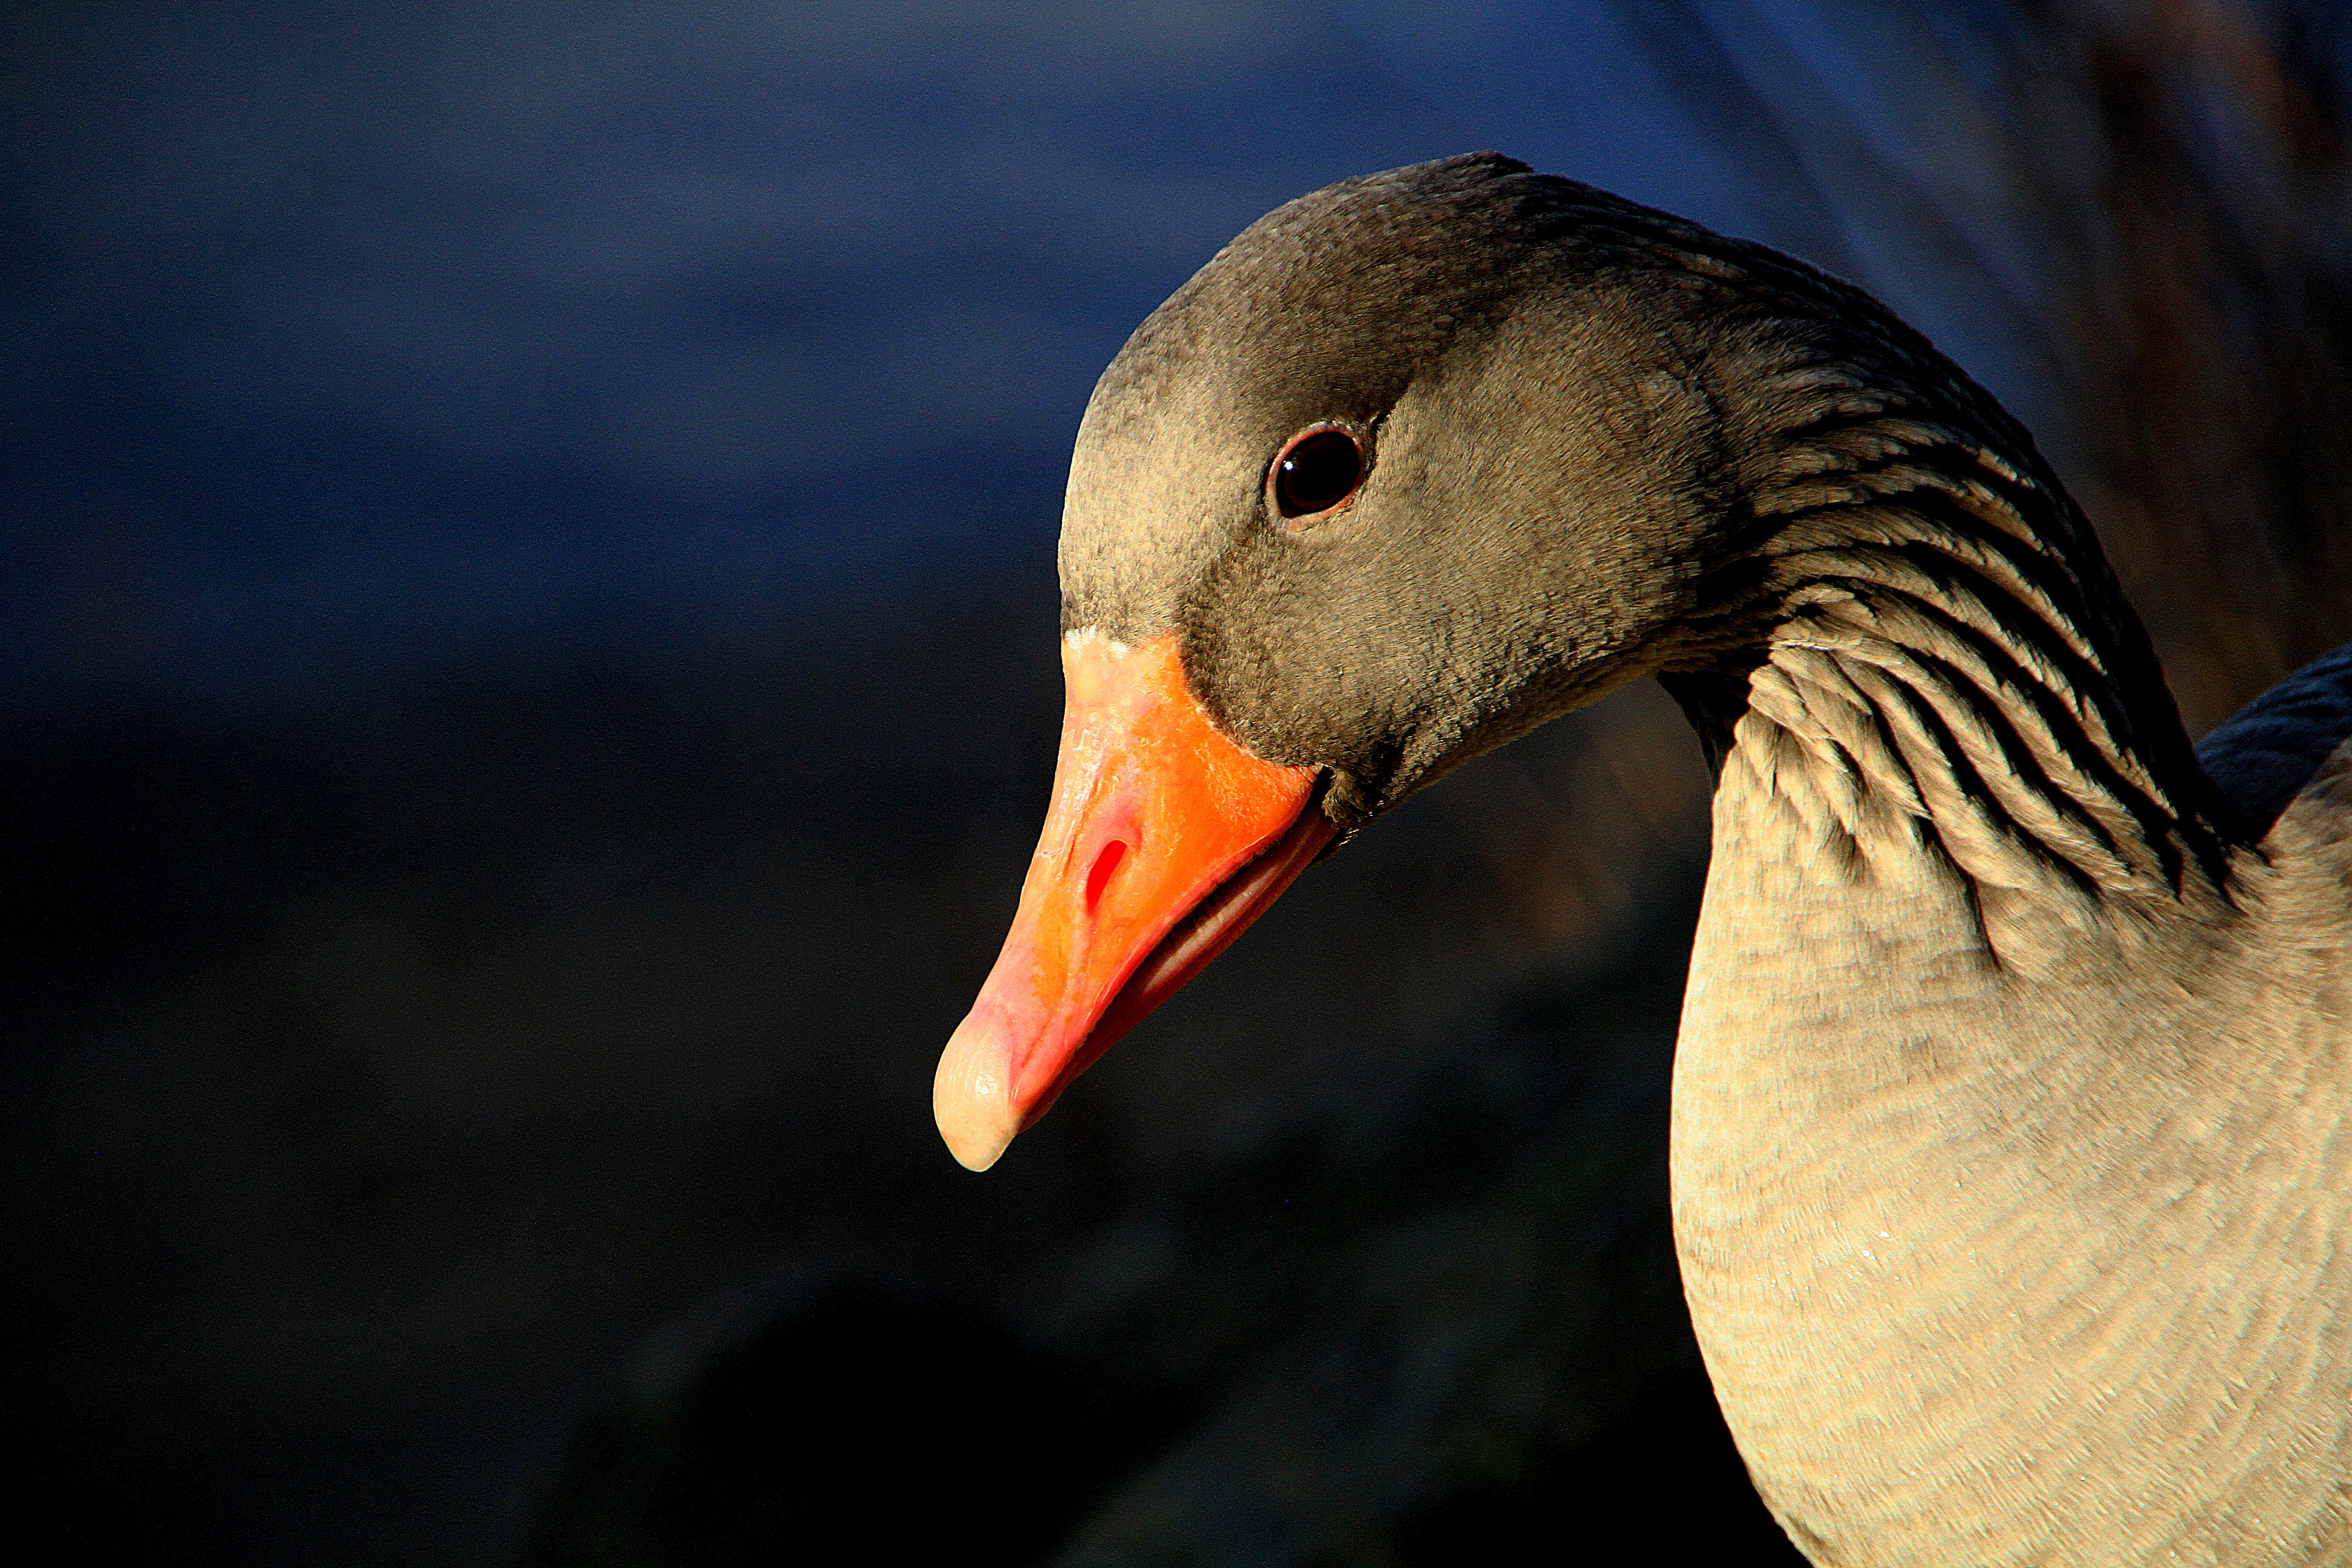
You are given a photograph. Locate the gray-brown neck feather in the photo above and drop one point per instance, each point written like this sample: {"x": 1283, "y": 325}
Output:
{"x": 1941, "y": 685}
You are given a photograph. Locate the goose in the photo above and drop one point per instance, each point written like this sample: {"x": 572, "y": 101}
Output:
{"x": 2009, "y": 1178}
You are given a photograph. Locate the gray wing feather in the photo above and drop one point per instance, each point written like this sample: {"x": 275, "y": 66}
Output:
{"x": 2263, "y": 754}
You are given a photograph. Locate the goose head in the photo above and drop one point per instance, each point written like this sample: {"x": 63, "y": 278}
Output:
{"x": 1416, "y": 463}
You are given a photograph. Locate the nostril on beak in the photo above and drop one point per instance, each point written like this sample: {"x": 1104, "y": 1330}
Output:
{"x": 1107, "y": 862}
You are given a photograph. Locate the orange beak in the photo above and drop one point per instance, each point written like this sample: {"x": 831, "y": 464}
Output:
{"x": 1164, "y": 841}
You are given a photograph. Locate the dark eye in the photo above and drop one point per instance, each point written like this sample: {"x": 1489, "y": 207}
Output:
{"x": 1318, "y": 469}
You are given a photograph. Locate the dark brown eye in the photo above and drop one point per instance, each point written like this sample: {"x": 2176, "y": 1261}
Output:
{"x": 1316, "y": 472}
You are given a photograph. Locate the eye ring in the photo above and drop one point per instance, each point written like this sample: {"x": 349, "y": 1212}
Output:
{"x": 1318, "y": 471}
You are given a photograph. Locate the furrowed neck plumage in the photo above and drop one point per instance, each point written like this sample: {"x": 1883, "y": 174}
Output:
{"x": 1911, "y": 641}
{"x": 1920, "y": 658}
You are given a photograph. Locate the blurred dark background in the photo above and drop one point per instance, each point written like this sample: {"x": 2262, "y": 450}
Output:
{"x": 527, "y": 680}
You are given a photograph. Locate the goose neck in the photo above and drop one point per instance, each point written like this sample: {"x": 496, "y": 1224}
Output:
{"x": 1940, "y": 687}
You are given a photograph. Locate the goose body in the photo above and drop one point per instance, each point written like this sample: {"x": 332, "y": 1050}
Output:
{"x": 2014, "y": 1235}
{"x": 2010, "y": 1180}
